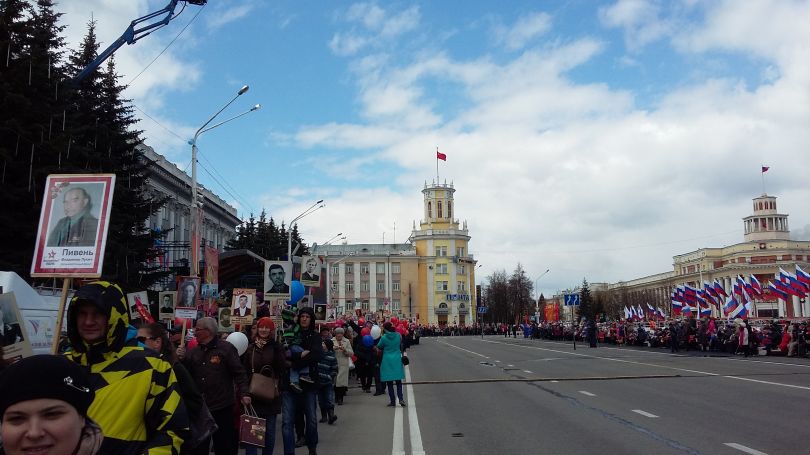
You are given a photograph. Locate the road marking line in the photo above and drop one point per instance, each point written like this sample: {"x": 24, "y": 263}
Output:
{"x": 413, "y": 420}
{"x": 498, "y": 361}
{"x": 527, "y": 371}
{"x": 743, "y": 448}
{"x": 510, "y": 365}
{"x": 770, "y": 362}
{"x": 656, "y": 365}
{"x": 585, "y": 392}
{"x": 466, "y": 350}
{"x": 645, "y": 413}
{"x": 398, "y": 447}
{"x": 555, "y": 381}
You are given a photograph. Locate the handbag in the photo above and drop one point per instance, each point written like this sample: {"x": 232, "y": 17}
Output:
{"x": 202, "y": 426}
{"x": 264, "y": 388}
{"x": 405, "y": 359}
{"x": 252, "y": 428}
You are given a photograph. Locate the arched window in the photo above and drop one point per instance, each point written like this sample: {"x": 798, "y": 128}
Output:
{"x": 430, "y": 211}
{"x": 450, "y": 210}
{"x": 439, "y": 209}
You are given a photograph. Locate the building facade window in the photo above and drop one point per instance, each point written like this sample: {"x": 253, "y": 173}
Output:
{"x": 364, "y": 268}
{"x": 460, "y": 251}
{"x": 334, "y": 286}
{"x": 441, "y": 269}
{"x": 349, "y": 268}
{"x": 364, "y": 286}
{"x": 349, "y": 286}
{"x": 395, "y": 268}
{"x": 380, "y": 268}
{"x": 449, "y": 210}
{"x": 441, "y": 286}
{"x": 380, "y": 286}
{"x": 439, "y": 209}
{"x": 461, "y": 269}
{"x": 365, "y": 305}
{"x": 395, "y": 306}
{"x": 335, "y": 270}
{"x": 430, "y": 211}
{"x": 461, "y": 286}
{"x": 441, "y": 251}
{"x": 395, "y": 286}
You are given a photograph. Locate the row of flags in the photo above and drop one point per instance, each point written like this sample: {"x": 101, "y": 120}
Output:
{"x": 638, "y": 313}
{"x": 687, "y": 299}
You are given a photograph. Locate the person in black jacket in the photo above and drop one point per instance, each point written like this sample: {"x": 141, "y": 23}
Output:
{"x": 291, "y": 401}
{"x": 215, "y": 366}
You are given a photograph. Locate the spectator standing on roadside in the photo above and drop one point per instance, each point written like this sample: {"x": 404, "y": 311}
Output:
{"x": 343, "y": 353}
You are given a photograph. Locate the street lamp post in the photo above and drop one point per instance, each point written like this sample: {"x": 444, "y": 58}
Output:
{"x": 333, "y": 239}
{"x": 536, "y": 302}
{"x": 312, "y": 208}
{"x": 195, "y": 209}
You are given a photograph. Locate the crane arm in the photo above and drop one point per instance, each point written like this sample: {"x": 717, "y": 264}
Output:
{"x": 137, "y": 29}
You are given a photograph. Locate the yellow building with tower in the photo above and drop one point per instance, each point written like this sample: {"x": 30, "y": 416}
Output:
{"x": 429, "y": 280}
{"x": 446, "y": 269}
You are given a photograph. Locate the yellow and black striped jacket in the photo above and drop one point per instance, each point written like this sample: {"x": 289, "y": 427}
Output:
{"x": 137, "y": 404}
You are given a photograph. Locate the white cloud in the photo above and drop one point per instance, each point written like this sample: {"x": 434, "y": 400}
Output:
{"x": 526, "y": 28}
{"x": 227, "y": 13}
{"x": 376, "y": 27}
{"x": 640, "y": 20}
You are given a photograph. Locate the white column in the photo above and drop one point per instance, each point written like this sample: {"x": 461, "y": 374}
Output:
{"x": 797, "y": 310}
{"x": 372, "y": 287}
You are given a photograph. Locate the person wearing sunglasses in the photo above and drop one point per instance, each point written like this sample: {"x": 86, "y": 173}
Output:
{"x": 154, "y": 336}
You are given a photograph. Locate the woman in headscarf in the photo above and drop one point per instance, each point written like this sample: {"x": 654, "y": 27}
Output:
{"x": 47, "y": 413}
{"x": 265, "y": 356}
{"x": 344, "y": 353}
{"x": 391, "y": 370}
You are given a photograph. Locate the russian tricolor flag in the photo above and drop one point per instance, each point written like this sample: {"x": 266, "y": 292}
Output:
{"x": 719, "y": 288}
{"x": 756, "y": 286}
{"x": 802, "y": 276}
{"x": 776, "y": 290}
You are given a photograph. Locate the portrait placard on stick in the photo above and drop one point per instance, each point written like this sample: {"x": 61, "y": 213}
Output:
{"x": 242, "y": 306}
{"x": 73, "y": 223}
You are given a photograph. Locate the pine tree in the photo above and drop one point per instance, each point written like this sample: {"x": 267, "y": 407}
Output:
{"x": 586, "y": 309}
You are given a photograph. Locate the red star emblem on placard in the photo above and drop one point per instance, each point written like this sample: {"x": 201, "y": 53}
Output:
{"x": 52, "y": 254}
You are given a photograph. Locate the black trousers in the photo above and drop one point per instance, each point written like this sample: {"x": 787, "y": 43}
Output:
{"x": 225, "y": 438}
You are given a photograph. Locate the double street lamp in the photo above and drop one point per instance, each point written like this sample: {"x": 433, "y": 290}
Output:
{"x": 195, "y": 204}
{"x": 312, "y": 208}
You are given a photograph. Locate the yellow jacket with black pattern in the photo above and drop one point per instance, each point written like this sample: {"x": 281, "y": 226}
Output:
{"x": 137, "y": 403}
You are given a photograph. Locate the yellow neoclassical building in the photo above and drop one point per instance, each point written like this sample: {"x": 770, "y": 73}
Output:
{"x": 430, "y": 279}
{"x": 446, "y": 267}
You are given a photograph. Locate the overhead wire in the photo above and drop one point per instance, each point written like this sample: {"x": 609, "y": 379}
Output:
{"x": 170, "y": 42}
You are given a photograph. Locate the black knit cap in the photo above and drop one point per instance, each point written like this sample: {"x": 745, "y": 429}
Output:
{"x": 45, "y": 376}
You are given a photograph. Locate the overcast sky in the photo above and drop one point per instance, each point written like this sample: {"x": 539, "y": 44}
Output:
{"x": 594, "y": 139}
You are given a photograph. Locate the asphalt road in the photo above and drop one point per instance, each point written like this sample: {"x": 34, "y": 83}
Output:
{"x": 518, "y": 396}
{"x": 505, "y": 395}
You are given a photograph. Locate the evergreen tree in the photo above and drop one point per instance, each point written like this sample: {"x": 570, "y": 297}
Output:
{"x": 520, "y": 291}
{"x": 30, "y": 127}
{"x": 586, "y": 307}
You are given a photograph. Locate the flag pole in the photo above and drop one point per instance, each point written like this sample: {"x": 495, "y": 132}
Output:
{"x": 437, "y": 165}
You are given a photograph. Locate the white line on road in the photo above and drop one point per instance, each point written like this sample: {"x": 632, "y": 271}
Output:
{"x": 585, "y": 392}
{"x": 645, "y": 413}
{"x": 413, "y": 420}
{"x": 398, "y": 447}
{"x": 527, "y": 371}
{"x": 555, "y": 380}
{"x": 743, "y": 448}
{"x": 510, "y": 365}
{"x": 466, "y": 350}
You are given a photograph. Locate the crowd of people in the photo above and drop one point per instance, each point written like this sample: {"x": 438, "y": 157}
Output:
{"x": 123, "y": 389}
{"x": 738, "y": 336}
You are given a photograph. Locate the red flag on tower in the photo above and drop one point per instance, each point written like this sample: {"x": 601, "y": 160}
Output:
{"x": 443, "y": 157}
{"x": 765, "y": 169}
